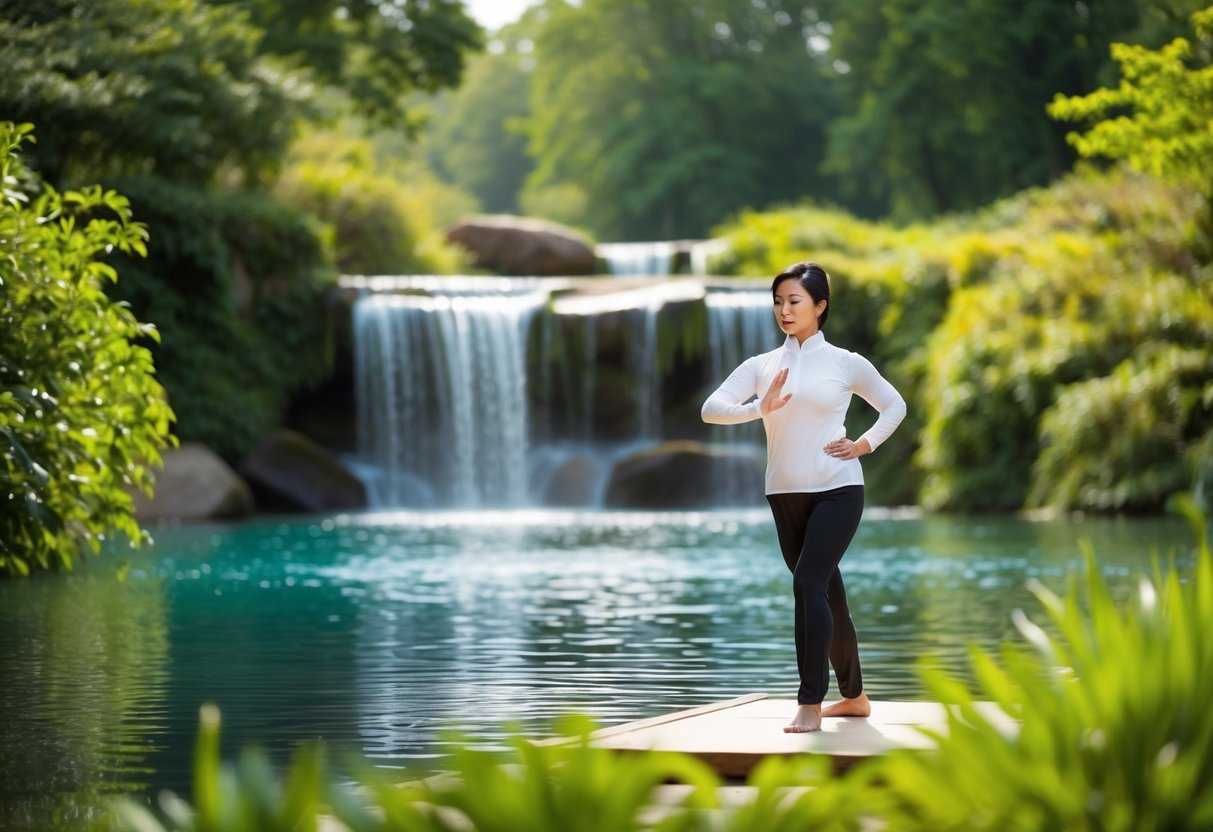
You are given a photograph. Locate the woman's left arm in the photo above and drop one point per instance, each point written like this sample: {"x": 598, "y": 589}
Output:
{"x": 876, "y": 391}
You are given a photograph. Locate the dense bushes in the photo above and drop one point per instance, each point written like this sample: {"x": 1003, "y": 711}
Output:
{"x": 1112, "y": 283}
{"x": 985, "y": 321}
{"x": 82, "y": 417}
{"x": 237, "y": 285}
{"x": 385, "y": 213}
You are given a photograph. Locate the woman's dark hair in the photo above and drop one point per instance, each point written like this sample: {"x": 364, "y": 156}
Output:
{"x": 813, "y": 279}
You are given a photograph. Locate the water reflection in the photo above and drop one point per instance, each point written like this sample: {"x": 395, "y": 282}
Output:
{"x": 376, "y": 632}
{"x": 85, "y": 669}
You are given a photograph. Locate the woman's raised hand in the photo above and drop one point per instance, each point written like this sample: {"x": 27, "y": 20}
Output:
{"x": 772, "y": 401}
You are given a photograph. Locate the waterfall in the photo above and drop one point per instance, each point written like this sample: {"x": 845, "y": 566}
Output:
{"x": 740, "y": 324}
{"x": 638, "y": 258}
{"x": 660, "y": 259}
{"x": 448, "y": 417}
{"x": 441, "y": 387}
{"x": 700, "y": 253}
{"x": 642, "y": 361}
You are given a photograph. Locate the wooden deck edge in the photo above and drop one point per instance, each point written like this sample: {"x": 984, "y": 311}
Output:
{"x": 661, "y": 719}
{"x": 736, "y": 766}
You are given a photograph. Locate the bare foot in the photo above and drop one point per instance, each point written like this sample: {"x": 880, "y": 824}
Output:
{"x": 859, "y": 706}
{"x": 808, "y": 718}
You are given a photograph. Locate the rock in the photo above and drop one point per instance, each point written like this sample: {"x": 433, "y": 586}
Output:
{"x": 512, "y": 245}
{"x": 289, "y": 472}
{"x": 195, "y": 485}
{"x": 572, "y": 483}
{"x": 686, "y": 474}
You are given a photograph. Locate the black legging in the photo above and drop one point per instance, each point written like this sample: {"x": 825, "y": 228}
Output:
{"x": 814, "y": 531}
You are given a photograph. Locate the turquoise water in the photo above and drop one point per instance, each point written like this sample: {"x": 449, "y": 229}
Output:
{"x": 377, "y": 632}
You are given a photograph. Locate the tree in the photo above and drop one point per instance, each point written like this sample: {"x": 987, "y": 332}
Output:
{"x": 947, "y": 100}
{"x": 672, "y": 115}
{"x": 1147, "y": 428}
{"x": 478, "y": 132}
{"x": 82, "y": 418}
{"x": 375, "y": 51}
{"x": 1159, "y": 118}
{"x": 174, "y": 88}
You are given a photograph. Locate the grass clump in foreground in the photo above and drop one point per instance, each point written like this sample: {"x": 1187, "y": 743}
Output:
{"x": 1115, "y": 733}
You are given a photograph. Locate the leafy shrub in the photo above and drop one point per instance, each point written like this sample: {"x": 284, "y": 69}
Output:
{"x": 237, "y": 284}
{"x": 384, "y": 214}
{"x": 1125, "y": 441}
{"x": 1113, "y": 728}
{"x": 982, "y": 320}
{"x": 82, "y": 418}
{"x": 1169, "y": 95}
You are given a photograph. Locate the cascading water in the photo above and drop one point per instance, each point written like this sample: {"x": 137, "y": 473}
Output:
{"x": 494, "y": 392}
{"x": 642, "y": 352}
{"x": 701, "y": 252}
{"x": 660, "y": 258}
{"x": 740, "y": 325}
{"x": 442, "y": 405}
{"x": 638, "y": 258}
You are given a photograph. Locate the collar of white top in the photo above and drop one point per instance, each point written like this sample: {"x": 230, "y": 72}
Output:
{"x": 815, "y": 343}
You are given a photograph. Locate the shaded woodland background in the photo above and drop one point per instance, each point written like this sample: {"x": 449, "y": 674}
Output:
{"x": 1050, "y": 320}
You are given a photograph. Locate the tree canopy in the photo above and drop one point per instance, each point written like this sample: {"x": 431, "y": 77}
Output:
{"x": 670, "y": 115}
{"x": 173, "y": 88}
{"x": 375, "y": 51}
{"x": 188, "y": 108}
{"x": 1159, "y": 118}
{"x": 477, "y": 136}
{"x": 651, "y": 120}
{"x": 946, "y": 101}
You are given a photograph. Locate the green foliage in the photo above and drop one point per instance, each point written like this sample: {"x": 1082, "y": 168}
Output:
{"x": 946, "y": 100}
{"x": 237, "y": 284}
{"x": 82, "y": 417}
{"x": 984, "y": 320}
{"x": 1112, "y": 734}
{"x": 477, "y": 135}
{"x": 1138, "y": 434}
{"x": 174, "y": 87}
{"x": 244, "y": 798}
{"x": 540, "y": 787}
{"x": 548, "y": 789}
{"x": 1067, "y": 309}
{"x": 1168, "y": 95}
{"x": 375, "y": 52}
{"x": 384, "y": 213}
{"x": 669, "y": 115}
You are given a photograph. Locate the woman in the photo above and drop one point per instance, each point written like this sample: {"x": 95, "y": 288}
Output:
{"x": 814, "y": 482}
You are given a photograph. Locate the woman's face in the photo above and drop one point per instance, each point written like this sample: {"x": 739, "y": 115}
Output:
{"x": 795, "y": 311}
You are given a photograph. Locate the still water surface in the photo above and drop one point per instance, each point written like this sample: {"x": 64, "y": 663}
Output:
{"x": 377, "y": 632}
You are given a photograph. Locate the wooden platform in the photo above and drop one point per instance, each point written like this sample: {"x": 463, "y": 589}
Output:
{"x": 736, "y": 735}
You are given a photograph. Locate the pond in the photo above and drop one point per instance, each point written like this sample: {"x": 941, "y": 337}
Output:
{"x": 379, "y": 631}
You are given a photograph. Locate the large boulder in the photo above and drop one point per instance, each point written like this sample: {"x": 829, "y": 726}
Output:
{"x": 686, "y": 474}
{"x": 572, "y": 482}
{"x": 289, "y": 472}
{"x": 194, "y": 485}
{"x": 516, "y": 246}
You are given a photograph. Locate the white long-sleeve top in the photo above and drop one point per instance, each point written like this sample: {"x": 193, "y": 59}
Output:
{"x": 821, "y": 379}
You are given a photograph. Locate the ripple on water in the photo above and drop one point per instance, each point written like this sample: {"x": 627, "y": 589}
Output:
{"x": 382, "y": 632}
